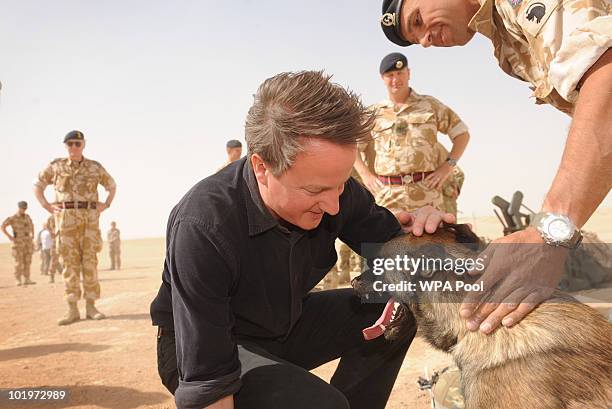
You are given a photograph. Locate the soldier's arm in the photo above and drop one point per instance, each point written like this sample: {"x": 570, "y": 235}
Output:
{"x": 584, "y": 177}
{"x": 4, "y": 226}
{"x": 39, "y": 193}
{"x": 369, "y": 179}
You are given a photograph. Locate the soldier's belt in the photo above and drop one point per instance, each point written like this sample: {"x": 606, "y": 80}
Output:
{"x": 404, "y": 178}
{"x": 77, "y": 205}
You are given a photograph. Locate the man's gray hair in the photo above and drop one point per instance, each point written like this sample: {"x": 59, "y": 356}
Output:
{"x": 291, "y": 106}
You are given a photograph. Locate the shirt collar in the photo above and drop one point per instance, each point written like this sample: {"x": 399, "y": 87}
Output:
{"x": 258, "y": 215}
{"x": 70, "y": 161}
{"x": 482, "y": 21}
{"x": 412, "y": 98}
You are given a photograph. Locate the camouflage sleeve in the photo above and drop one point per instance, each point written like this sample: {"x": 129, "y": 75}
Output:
{"x": 6, "y": 222}
{"x": 106, "y": 179}
{"x": 449, "y": 122}
{"x": 45, "y": 177}
{"x": 570, "y": 36}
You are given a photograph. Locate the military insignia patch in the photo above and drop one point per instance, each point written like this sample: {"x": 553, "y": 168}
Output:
{"x": 536, "y": 11}
{"x": 515, "y": 3}
{"x": 399, "y": 65}
{"x": 388, "y": 19}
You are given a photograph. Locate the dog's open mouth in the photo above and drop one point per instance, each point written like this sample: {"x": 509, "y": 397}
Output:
{"x": 389, "y": 323}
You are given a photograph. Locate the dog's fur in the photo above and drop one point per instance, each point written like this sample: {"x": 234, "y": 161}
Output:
{"x": 558, "y": 357}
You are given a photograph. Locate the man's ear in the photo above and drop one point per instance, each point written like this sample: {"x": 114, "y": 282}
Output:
{"x": 260, "y": 169}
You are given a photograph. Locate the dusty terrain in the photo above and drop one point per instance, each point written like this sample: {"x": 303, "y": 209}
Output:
{"x": 112, "y": 363}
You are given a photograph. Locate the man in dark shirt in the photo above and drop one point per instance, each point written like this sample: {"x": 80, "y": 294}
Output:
{"x": 238, "y": 325}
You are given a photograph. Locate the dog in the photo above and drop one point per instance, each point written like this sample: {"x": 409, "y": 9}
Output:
{"x": 558, "y": 357}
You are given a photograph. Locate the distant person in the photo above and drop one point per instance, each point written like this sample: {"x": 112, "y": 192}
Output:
{"x": 77, "y": 209}
{"x": 45, "y": 245}
{"x": 233, "y": 147}
{"x": 114, "y": 246}
{"x": 407, "y": 173}
{"x": 22, "y": 245}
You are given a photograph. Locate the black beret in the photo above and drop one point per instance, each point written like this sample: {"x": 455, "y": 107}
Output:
{"x": 233, "y": 143}
{"x": 22, "y": 205}
{"x": 392, "y": 62}
{"x": 78, "y": 135}
{"x": 390, "y": 22}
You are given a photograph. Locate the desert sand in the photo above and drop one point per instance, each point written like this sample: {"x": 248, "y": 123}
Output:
{"x": 112, "y": 363}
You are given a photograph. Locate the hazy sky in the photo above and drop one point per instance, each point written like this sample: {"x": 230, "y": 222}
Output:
{"x": 158, "y": 88}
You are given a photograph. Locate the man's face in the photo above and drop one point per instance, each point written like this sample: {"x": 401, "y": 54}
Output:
{"x": 438, "y": 23}
{"x": 75, "y": 148}
{"x": 22, "y": 210}
{"x": 312, "y": 186}
{"x": 234, "y": 153}
{"x": 396, "y": 81}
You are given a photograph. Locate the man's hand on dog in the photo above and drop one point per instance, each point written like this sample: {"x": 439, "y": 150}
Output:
{"x": 426, "y": 219}
{"x": 520, "y": 272}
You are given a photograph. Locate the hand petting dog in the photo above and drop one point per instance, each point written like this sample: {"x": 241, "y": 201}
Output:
{"x": 520, "y": 272}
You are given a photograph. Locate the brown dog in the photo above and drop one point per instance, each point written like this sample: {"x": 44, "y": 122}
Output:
{"x": 558, "y": 357}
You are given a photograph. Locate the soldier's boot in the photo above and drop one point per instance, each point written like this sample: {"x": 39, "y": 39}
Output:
{"x": 27, "y": 281}
{"x": 51, "y": 278}
{"x": 91, "y": 312}
{"x": 71, "y": 316}
{"x": 18, "y": 282}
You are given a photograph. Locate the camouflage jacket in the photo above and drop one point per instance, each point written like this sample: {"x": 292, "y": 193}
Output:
{"x": 548, "y": 43}
{"x": 23, "y": 228}
{"x": 75, "y": 181}
{"x": 405, "y": 137}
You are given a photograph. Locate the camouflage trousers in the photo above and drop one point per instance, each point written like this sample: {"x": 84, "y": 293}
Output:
{"x": 78, "y": 243}
{"x": 45, "y": 261}
{"x": 348, "y": 262}
{"x": 408, "y": 197}
{"x": 22, "y": 253}
{"x": 115, "y": 256}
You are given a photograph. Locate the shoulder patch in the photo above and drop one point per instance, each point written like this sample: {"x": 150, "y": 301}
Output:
{"x": 533, "y": 15}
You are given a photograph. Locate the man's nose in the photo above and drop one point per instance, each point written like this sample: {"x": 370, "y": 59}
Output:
{"x": 425, "y": 39}
{"x": 330, "y": 202}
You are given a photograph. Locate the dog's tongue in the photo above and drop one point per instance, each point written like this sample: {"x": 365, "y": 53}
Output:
{"x": 377, "y": 329}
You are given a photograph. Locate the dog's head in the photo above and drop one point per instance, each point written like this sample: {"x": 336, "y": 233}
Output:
{"x": 402, "y": 266}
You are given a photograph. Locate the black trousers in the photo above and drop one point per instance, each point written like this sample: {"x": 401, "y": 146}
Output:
{"x": 275, "y": 374}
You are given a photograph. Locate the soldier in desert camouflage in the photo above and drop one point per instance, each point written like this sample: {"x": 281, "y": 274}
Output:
{"x": 114, "y": 246}
{"x": 22, "y": 245}
{"x": 77, "y": 211}
{"x": 407, "y": 173}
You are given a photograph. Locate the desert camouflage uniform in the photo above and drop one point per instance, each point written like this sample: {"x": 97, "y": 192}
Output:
{"x": 22, "y": 246}
{"x": 78, "y": 234}
{"x": 452, "y": 186}
{"x": 405, "y": 140}
{"x": 548, "y": 43}
{"x": 54, "y": 264}
{"x": 114, "y": 247}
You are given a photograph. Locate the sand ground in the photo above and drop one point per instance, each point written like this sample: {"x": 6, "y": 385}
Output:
{"x": 112, "y": 363}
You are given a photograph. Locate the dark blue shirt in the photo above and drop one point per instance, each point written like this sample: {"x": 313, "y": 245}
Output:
{"x": 233, "y": 271}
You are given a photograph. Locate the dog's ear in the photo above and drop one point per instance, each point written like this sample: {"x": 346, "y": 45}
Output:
{"x": 463, "y": 233}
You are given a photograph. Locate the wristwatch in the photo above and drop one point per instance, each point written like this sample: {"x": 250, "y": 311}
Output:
{"x": 557, "y": 229}
{"x": 451, "y": 161}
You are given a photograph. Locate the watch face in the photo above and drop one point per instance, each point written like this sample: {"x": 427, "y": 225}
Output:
{"x": 560, "y": 229}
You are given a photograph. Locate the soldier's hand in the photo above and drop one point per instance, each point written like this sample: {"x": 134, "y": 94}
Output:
{"x": 100, "y": 207}
{"x": 11, "y": 238}
{"x": 520, "y": 272}
{"x": 437, "y": 179}
{"x": 373, "y": 184}
{"x": 426, "y": 219}
{"x": 52, "y": 208}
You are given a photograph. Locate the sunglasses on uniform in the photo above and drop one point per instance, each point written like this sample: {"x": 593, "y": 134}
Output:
{"x": 73, "y": 143}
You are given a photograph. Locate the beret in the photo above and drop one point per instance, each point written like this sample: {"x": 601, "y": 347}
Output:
{"x": 78, "y": 135}
{"x": 392, "y": 62}
{"x": 390, "y": 21}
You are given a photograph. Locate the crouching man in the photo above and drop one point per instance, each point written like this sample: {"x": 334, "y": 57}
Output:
{"x": 238, "y": 325}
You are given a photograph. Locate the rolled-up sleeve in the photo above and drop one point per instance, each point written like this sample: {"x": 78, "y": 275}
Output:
{"x": 201, "y": 275}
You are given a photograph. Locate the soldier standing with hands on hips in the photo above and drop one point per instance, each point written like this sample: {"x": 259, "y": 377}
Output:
{"x": 21, "y": 242}
{"x": 77, "y": 211}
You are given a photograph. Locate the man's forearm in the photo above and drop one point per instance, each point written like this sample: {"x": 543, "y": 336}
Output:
{"x": 459, "y": 144}
{"x": 39, "y": 194}
{"x": 361, "y": 167}
{"x": 584, "y": 177}
{"x": 111, "y": 196}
